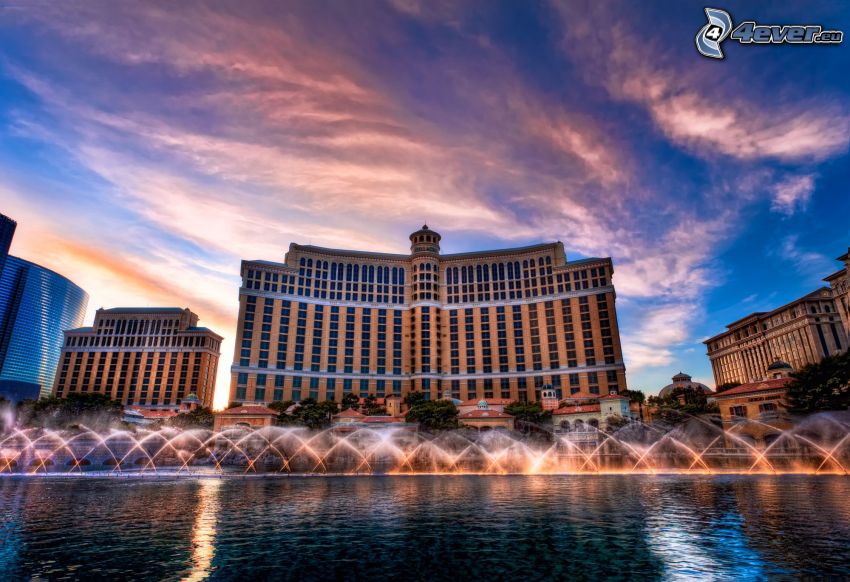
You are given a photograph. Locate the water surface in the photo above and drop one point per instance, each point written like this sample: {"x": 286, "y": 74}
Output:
{"x": 425, "y": 527}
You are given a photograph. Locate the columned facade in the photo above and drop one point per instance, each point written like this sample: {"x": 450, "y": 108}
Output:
{"x": 503, "y": 323}
{"x": 802, "y": 332}
{"x": 150, "y": 357}
{"x": 840, "y": 283}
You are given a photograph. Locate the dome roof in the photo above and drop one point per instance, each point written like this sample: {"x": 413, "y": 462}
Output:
{"x": 668, "y": 389}
{"x": 681, "y": 377}
{"x": 780, "y": 365}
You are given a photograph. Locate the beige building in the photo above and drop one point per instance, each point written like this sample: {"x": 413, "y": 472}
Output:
{"x": 248, "y": 417}
{"x": 840, "y": 283}
{"x": 800, "y": 333}
{"x": 756, "y": 412}
{"x": 489, "y": 324}
{"x": 148, "y": 357}
{"x": 484, "y": 417}
{"x": 592, "y": 416}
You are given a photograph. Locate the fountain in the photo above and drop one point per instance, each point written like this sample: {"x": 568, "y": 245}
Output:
{"x": 819, "y": 445}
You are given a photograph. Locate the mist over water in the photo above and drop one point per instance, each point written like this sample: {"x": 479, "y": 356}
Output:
{"x": 426, "y": 527}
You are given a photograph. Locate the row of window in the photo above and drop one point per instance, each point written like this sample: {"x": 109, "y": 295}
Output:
{"x": 464, "y": 284}
{"x": 139, "y": 375}
{"x": 275, "y": 387}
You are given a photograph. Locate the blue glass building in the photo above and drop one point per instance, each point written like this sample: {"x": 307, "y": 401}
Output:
{"x": 36, "y": 306}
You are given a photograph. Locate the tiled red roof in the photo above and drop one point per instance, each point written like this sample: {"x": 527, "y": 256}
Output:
{"x": 612, "y": 397}
{"x": 349, "y": 413}
{"x": 484, "y": 414}
{"x": 578, "y": 409}
{"x": 248, "y": 409}
{"x": 489, "y": 401}
{"x": 762, "y": 386}
{"x": 377, "y": 401}
{"x": 147, "y": 413}
{"x": 382, "y": 419}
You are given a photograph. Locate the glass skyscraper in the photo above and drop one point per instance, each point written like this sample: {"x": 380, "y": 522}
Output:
{"x": 36, "y": 306}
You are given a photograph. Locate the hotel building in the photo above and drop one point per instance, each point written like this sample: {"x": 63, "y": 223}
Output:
{"x": 150, "y": 357}
{"x": 36, "y": 306}
{"x": 840, "y": 283}
{"x": 802, "y": 332}
{"x": 502, "y": 323}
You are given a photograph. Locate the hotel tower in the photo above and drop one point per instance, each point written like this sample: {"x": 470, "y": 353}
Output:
{"x": 145, "y": 356}
{"x": 486, "y": 324}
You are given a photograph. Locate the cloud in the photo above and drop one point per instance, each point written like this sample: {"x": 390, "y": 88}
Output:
{"x": 792, "y": 194}
{"x": 693, "y": 105}
{"x": 808, "y": 263}
{"x": 652, "y": 337}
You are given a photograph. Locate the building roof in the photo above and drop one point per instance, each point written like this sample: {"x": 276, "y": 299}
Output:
{"x": 377, "y": 400}
{"x": 250, "y": 409}
{"x": 382, "y": 419}
{"x": 473, "y": 414}
{"x": 580, "y": 409}
{"x": 612, "y": 396}
{"x": 140, "y": 310}
{"x": 489, "y": 401}
{"x": 148, "y": 413}
{"x": 751, "y": 387}
{"x": 780, "y": 365}
{"x": 814, "y": 295}
{"x": 349, "y": 413}
{"x": 668, "y": 389}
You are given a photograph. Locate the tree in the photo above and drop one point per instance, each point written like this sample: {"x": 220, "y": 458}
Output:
{"x": 281, "y": 406}
{"x": 371, "y": 407}
{"x": 94, "y": 410}
{"x": 615, "y": 422}
{"x": 199, "y": 418}
{"x": 351, "y": 400}
{"x": 434, "y": 415}
{"x": 316, "y": 415}
{"x": 634, "y": 396}
{"x": 821, "y": 386}
{"x": 414, "y": 398}
{"x": 309, "y": 413}
{"x": 528, "y": 412}
{"x": 727, "y": 386}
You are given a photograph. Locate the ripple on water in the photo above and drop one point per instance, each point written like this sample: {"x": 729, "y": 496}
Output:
{"x": 427, "y": 527}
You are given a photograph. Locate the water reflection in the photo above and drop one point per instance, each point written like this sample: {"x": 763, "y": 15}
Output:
{"x": 203, "y": 532}
{"x": 426, "y": 527}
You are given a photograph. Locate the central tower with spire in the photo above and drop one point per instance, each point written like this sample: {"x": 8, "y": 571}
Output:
{"x": 426, "y": 241}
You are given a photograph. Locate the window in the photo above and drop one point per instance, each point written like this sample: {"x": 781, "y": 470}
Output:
{"x": 739, "y": 411}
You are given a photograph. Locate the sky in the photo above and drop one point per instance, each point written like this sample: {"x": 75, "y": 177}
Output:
{"x": 147, "y": 148}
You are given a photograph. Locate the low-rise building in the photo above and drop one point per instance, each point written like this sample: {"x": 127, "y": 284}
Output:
{"x": 592, "y": 416}
{"x": 682, "y": 383}
{"x": 250, "y": 416}
{"x": 756, "y": 412}
{"x": 350, "y": 419}
{"x": 494, "y": 404}
{"x": 485, "y": 417}
{"x": 143, "y": 416}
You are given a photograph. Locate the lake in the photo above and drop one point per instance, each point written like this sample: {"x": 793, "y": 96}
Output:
{"x": 425, "y": 527}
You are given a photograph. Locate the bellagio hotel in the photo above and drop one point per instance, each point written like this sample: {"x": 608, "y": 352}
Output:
{"x": 486, "y": 324}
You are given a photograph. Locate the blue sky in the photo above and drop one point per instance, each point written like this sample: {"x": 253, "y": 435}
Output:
{"x": 145, "y": 148}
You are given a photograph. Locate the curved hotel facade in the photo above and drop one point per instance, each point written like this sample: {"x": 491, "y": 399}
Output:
{"x": 488, "y": 324}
